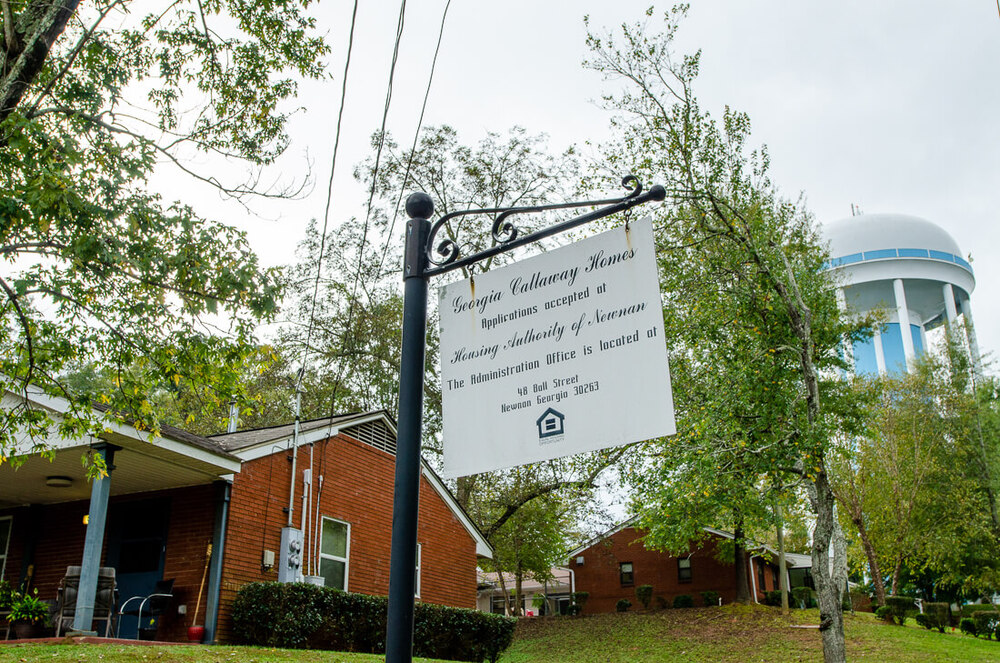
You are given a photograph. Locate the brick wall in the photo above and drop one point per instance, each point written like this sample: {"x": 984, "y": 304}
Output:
{"x": 358, "y": 489}
{"x": 600, "y": 573}
{"x": 60, "y": 532}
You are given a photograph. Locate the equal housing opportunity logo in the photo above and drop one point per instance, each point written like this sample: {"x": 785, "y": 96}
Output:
{"x": 550, "y": 426}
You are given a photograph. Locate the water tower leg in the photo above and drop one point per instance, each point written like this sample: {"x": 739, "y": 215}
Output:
{"x": 846, "y": 344}
{"x": 949, "y": 305}
{"x": 970, "y": 335}
{"x": 904, "y": 323}
{"x": 879, "y": 351}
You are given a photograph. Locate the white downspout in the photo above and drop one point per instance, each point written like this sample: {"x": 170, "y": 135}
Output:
{"x": 753, "y": 582}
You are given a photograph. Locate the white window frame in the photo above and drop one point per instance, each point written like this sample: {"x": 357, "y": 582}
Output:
{"x": 416, "y": 592}
{"x": 6, "y": 550}
{"x": 347, "y": 558}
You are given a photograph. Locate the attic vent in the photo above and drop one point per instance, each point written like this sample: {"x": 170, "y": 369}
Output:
{"x": 375, "y": 433}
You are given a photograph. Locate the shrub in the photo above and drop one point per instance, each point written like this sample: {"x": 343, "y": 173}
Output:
{"x": 773, "y": 598}
{"x": 968, "y": 626}
{"x": 683, "y": 601}
{"x": 803, "y": 597}
{"x": 710, "y": 598}
{"x": 884, "y": 612}
{"x": 986, "y": 622}
{"x": 939, "y": 615}
{"x": 645, "y": 594}
{"x": 924, "y": 620}
{"x": 300, "y": 615}
{"x": 573, "y": 609}
{"x": 580, "y": 598}
{"x": 970, "y": 609}
{"x": 899, "y": 608}
{"x": 623, "y": 605}
{"x": 662, "y": 602}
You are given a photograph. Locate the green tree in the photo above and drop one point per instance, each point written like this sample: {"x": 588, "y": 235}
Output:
{"x": 746, "y": 291}
{"x": 916, "y": 486}
{"x": 98, "y": 267}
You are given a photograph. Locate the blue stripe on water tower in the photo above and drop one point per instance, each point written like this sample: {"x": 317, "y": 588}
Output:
{"x": 887, "y": 254}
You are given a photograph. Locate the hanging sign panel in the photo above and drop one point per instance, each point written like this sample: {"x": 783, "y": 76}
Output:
{"x": 554, "y": 355}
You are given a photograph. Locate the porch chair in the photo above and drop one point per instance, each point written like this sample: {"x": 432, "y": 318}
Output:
{"x": 153, "y": 604}
{"x": 104, "y": 601}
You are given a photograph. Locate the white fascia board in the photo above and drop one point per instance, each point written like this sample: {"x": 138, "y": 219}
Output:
{"x": 59, "y": 406}
{"x": 284, "y": 442}
{"x": 222, "y": 464}
{"x": 483, "y": 547}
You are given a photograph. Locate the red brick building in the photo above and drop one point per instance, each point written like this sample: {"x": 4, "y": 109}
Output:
{"x": 612, "y": 566}
{"x": 165, "y": 500}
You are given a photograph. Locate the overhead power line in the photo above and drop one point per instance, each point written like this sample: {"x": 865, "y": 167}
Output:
{"x": 416, "y": 135}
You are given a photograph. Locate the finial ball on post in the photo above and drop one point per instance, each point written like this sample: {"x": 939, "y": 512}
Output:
{"x": 419, "y": 206}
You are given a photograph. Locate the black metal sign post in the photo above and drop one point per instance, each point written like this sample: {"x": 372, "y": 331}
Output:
{"x": 419, "y": 264}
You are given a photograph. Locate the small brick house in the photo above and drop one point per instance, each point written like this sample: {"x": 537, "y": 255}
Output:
{"x": 165, "y": 500}
{"x": 349, "y": 521}
{"x": 610, "y": 568}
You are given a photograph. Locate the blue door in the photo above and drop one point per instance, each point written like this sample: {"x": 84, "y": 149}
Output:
{"x": 137, "y": 543}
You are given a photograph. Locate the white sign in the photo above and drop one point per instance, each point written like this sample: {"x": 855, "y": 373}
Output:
{"x": 556, "y": 354}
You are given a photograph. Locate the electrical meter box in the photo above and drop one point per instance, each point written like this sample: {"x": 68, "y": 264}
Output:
{"x": 290, "y": 559}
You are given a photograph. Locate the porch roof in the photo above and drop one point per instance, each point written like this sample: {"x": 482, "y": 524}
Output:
{"x": 145, "y": 462}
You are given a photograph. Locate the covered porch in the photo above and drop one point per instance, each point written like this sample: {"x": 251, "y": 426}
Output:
{"x": 149, "y": 523}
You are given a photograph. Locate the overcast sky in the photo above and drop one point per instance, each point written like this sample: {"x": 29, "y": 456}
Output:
{"x": 891, "y": 105}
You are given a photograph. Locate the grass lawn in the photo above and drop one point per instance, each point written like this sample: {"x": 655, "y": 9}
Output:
{"x": 730, "y": 634}
{"x": 93, "y": 653}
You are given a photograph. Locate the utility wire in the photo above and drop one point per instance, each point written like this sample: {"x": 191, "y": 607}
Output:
{"x": 371, "y": 194}
{"x": 416, "y": 135}
{"x": 329, "y": 199}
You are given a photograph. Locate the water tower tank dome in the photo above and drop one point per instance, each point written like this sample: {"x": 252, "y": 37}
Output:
{"x": 874, "y": 232}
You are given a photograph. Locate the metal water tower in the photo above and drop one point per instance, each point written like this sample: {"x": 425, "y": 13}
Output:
{"x": 912, "y": 269}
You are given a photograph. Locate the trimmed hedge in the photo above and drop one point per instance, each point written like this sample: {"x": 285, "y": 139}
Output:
{"x": 683, "y": 601}
{"x": 299, "y": 615}
{"x": 938, "y": 615}
{"x": 900, "y": 607}
{"x": 970, "y": 609}
{"x": 710, "y": 598}
{"x": 968, "y": 626}
{"x": 986, "y": 622}
{"x": 623, "y": 605}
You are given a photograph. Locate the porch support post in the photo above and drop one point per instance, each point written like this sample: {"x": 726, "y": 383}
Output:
{"x": 223, "y": 491}
{"x": 94, "y": 542}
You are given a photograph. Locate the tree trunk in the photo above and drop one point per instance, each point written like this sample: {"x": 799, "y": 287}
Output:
{"x": 873, "y": 566}
{"x": 828, "y": 591}
{"x": 895, "y": 577}
{"x": 503, "y": 588}
{"x": 782, "y": 569}
{"x": 518, "y": 603}
{"x": 36, "y": 28}
{"x": 740, "y": 564}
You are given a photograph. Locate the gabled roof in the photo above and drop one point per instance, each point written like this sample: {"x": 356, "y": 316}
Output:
{"x": 262, "y": 442}
{"x": 252, "y": 437}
